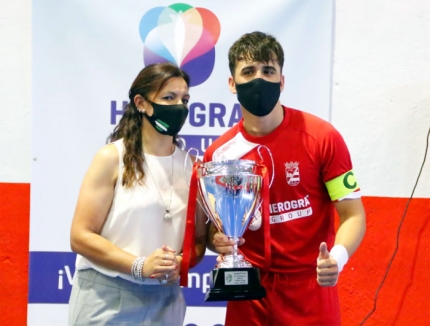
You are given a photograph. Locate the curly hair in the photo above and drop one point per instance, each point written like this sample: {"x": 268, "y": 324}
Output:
{"x": 255, "y": 46}
{"x": 150, "y": 79}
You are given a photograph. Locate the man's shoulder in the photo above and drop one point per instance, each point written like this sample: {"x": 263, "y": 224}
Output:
{"x": 299, "y": 116}
{"x": 309, "y": 123}
{"x": 226, "y": 136}
{"x": 222, "y": 139}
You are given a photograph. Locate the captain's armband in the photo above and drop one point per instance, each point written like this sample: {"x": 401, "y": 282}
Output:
{"x": 342, "y": 185}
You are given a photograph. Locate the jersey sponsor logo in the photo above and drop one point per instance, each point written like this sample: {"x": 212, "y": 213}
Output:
{"x": 290, "y": 210}
{"x": 281, "y": 218}
{"x": 290, "y": 205}
{"x": 292, "y": 173}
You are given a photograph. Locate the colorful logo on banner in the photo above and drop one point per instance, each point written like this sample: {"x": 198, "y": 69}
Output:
{"x": 183, "y": 35}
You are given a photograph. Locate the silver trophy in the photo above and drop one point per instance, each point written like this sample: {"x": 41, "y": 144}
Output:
{"x": 231, "y": 193}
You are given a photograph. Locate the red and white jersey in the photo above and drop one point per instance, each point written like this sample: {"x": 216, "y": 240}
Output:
{"x": 312, "y": 168}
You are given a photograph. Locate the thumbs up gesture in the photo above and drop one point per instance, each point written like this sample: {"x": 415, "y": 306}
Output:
{"x": 327, "y": 269}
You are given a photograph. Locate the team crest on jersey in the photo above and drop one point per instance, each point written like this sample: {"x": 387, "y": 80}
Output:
{"x": 292, "y": 173}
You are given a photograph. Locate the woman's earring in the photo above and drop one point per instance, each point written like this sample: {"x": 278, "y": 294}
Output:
{"x": 141, "y": 110}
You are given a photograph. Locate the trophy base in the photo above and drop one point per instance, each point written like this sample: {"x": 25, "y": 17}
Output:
{"x": 234, "y": 295}
{"x": 235, "y": 284}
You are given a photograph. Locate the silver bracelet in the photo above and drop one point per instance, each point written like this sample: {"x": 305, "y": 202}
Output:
{"x": 136, "y": 269}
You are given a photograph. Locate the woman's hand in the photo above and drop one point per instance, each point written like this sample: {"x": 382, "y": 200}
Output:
{"x": 162, "y": 264}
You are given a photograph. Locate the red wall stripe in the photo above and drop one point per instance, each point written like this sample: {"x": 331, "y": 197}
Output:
{"x": 14, "y": 245}
{"x": 403, "y": 299}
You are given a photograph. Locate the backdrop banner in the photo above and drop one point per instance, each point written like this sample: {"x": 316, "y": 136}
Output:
{"x": 86, "y": 55}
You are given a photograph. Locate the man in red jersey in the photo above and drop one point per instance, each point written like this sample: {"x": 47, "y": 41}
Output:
{"x": 313, "y": 176}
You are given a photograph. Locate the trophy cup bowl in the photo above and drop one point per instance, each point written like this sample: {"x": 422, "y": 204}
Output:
{"x": 230, "y": 193}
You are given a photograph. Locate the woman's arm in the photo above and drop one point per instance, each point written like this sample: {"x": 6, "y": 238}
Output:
{"x": 94, "y": 201}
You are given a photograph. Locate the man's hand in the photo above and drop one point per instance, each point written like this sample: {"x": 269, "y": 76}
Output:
{"x": 223, "y": 245}
{"x": 327, "y": 269}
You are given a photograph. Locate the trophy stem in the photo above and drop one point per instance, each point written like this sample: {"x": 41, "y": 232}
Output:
{"x": 235, "y": 252}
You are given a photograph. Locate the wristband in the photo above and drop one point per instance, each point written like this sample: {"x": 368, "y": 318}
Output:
{"x": 339, "y": 253}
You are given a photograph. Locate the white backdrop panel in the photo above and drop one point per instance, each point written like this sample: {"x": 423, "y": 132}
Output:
{"x": 85, "y": 57}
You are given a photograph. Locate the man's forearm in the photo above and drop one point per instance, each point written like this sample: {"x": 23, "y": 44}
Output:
{"x": 350, "y": 234}
{"x": 352, "y": 224}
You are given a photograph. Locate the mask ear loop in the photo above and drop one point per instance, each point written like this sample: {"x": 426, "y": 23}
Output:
{"x": 271, "y": 158}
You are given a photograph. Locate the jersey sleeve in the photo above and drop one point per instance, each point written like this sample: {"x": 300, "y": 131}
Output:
{"x": 337, "y": 170}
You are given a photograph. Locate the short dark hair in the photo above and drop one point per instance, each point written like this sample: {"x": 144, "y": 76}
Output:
{"x": 255, "y": 46}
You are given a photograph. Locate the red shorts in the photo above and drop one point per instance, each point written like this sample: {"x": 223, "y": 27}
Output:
{"x": 289, "y": 301}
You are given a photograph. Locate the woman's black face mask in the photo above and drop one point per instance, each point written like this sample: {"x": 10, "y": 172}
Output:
{"x": 167, "y": 119}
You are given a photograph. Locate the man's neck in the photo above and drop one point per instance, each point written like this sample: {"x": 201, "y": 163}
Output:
{"x": 262, "y": 126}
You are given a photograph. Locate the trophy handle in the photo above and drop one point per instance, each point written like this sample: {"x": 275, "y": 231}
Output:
{"x": 271, "y": 158}
{"x": 186, "y": 160}
{"x": 203, "y": 207}
{"x": 189, "y": 185}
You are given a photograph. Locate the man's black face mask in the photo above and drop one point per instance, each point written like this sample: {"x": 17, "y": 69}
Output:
{"x": 258, "y": 96}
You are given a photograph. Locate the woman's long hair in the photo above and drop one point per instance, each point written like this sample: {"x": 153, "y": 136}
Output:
{"x": 150, "y": 79}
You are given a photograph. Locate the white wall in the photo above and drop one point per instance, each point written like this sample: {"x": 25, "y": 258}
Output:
{"x": 15, "y": 90}
{"x": 381, "y": 93}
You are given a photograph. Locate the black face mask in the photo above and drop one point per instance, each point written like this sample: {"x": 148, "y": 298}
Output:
{"x": 258, "y": 96}
{"x": 167, "y": 119}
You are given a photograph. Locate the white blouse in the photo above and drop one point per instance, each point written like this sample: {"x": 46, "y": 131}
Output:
{"x": 135, "y": 222}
